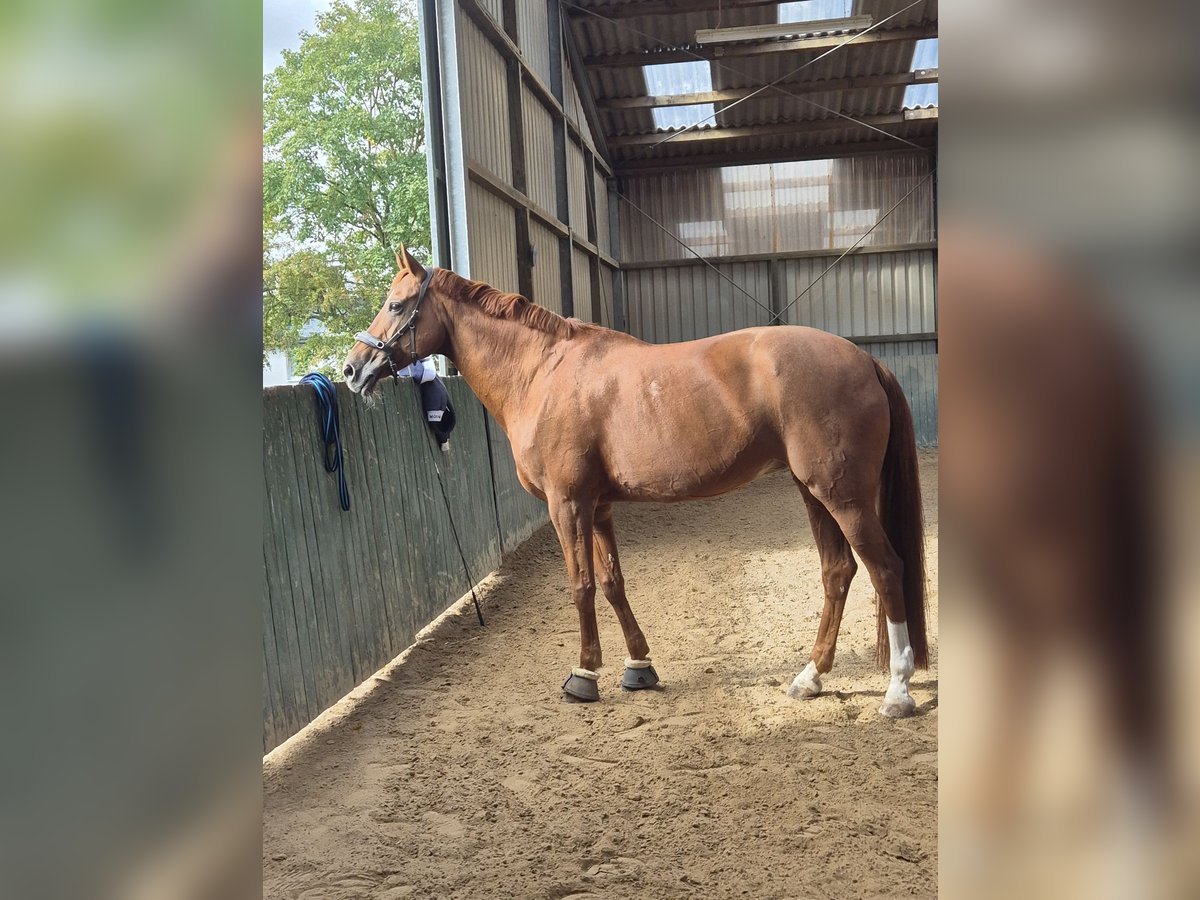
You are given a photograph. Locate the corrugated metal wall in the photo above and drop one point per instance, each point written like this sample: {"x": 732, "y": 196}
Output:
{"x": 778, "y": 207}
{"x": 783, "y": 224}
{"x": 533, "y": 36}
{"x": 492, "y": 228}
{"x": 865, "y": 294}
{"x": 581, "y": 274}
{"x": 605, "y": 300}
{"x": 539, "y": 145}
{"x": 600, "y": 189}
{"x": 878, "y": 294}
{"x": 547, "y": 286}
{"x": 577, "y": 186}
{"x": 574, "y": 106}
{"x": 488, "y": 86}
{"x": 681, "y": 303}
{"x": 485, "y": 101}
{"x": 494, "y": 8}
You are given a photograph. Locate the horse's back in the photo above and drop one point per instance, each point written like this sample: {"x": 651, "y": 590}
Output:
{"x": 700, "y": 417}
{"x": 780, "y": 370}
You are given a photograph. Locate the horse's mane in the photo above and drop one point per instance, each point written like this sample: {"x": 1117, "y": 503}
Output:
{"x": 513, "y": 307}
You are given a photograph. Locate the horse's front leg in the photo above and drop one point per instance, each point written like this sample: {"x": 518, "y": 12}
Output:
{"x": 572, "y": 520}
{"x": 639, "y": 673}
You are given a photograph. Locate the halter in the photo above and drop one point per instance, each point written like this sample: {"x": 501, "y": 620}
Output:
{"x": 409, "y": 327}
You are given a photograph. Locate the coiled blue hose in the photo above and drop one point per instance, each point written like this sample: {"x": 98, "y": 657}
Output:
{"x": 330, "y": 427}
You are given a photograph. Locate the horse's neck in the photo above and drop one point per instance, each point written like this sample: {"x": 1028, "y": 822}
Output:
{"x": 497, "y": 357}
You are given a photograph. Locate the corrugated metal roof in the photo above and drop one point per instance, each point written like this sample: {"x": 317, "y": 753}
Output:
{"x": 625, "y": 34}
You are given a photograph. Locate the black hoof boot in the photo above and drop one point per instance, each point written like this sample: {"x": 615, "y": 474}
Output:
{"x": 639, "y": 675}
{"x": 581, "y": 686}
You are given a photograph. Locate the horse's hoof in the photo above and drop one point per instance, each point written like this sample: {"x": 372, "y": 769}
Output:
{"x": 898, "y": 707}
{"x": 807, "y": 684}
{"x": 581, "y": 685}
{"x": 639, "y": 675}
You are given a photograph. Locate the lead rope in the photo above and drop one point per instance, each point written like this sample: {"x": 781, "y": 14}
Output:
{"x": 446, "y": 500}
{"x": 329, "y": 425}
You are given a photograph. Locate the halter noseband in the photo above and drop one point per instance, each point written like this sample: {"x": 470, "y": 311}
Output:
{"x": 409, "y": 327}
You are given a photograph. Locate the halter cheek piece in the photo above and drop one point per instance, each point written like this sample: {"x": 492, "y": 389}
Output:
{"x": 409, "y": 328}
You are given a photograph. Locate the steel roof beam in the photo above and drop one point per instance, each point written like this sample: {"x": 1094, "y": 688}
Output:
{"x": 711, "y": 160}
{"x": 860, "y": 83}
{"x": 663, "y": 7}
{"x": 833, "y": 123}
{"x": 802, "y": 45}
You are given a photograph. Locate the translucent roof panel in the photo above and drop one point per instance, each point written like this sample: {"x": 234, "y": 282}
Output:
{"x": 925, "y": 56}
{"x": 813, "y": 10}
{"x": 922, "y": 96}
{"x": 669, "y": 118}
{"x": 680, "y": 78}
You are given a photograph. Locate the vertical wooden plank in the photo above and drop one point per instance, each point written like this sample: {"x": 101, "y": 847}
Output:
{"x": 276, "y": 719}
{"x": 398, "y": 501}
{"x": 326, "y": 519}
{"x": 305, "y": 446}
{"x": 295, "y": 549}
{"x": 338, "y": 582}
{"x": 358, "y": 545}
{"x": 424, "y": 505}
{"x": 366, "y": 453}
{"x": 294, "y": 652}
{"x": 318, "y": 499}
{"x": 292, "y": 710}
{"x": 380, "y": 481}
{"x": 268, "y": 703}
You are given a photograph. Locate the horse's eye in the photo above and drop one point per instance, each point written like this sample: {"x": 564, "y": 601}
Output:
{"x": 394, "y": 306}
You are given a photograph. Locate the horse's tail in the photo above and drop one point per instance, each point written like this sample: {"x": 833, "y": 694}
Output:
{"x": 900, "y": 510}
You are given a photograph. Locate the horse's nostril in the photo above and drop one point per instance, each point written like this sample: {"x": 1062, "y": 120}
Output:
{"x": 348, "y": 371}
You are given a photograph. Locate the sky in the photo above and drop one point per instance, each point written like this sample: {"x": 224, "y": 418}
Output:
{"x": 283, "y": 20}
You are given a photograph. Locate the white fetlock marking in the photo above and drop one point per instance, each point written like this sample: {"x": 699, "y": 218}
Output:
{"x": 902, "y": 665}
{"x": 586, "y": 673}
{"x": 807, "y": 683}
{"x": 637, "y": 663}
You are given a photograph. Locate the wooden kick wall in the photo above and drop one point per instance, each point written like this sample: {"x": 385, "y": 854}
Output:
{"x": 345, "y": 592}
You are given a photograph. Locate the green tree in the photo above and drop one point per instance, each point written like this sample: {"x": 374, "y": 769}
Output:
{"x": 343, "y": 176}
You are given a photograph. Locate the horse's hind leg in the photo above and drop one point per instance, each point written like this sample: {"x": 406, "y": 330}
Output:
{"x": 861, "y": 526}
{"x": 638, "y": 671}
{"x": 837, "y": 571}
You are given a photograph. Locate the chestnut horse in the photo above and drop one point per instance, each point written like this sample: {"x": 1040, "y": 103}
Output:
{"x": 595, "y": 416}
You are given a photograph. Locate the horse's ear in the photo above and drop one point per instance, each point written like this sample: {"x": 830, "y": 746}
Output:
{"x": 409, "y": 263}
{"x": 400, "y": 255}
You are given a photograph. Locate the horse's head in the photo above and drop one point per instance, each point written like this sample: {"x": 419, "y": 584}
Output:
{"x": 407, "y": 325}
